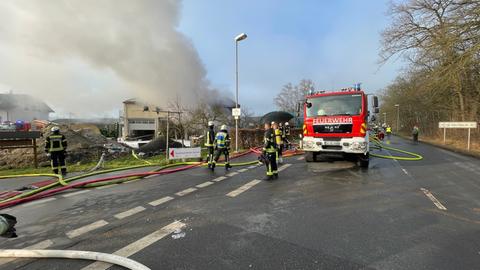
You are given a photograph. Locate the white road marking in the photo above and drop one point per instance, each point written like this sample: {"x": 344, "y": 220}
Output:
{"x": 161, "y": 201}
{"x": 251, "y": 167}
{"x": 106, "y": 186}
{"x": 86, "y": 228}
{"x": 301, "y": 158}
{"x": 405, "y": 171}
{"x": 206, "y": 184}
{"x": 75, "y": 193}
{"x": 185, "y": 191}
{"x": 218, "y": 179}
{"x": 283, "y": 167}
{"x": 243, "y": 188}
{"x": 130, "y": 212}
{"x": 432, "y": 198}
{"x": 242, "y": 170}
{"x": 40, "y": 245}
{"x": 231, "y": 174}
{"x": 39, "y": 202}
{"x": 138, "y": 245}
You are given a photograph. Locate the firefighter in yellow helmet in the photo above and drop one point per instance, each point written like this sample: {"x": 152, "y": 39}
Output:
{"x": 56, "y": 148}
{"x": 222, "y": 146}
{"x": 270, "y": 152}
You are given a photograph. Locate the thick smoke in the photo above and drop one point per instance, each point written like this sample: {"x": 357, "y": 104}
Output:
{"x": 87, "y": 56}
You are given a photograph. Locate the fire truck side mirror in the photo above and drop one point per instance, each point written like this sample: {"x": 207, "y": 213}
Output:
{"x": 309, "y": 104}
{"x": 375, "y": 102}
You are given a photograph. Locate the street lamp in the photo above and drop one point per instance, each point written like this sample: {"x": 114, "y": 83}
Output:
{"x": 238, "y": 38}
{"x": 385, "y": 118}
{"x": 398, "y": 116}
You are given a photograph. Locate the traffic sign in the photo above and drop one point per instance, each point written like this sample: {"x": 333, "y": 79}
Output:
{"x": 180, "y": 153}
{"x": 457, "y": 124}
{"x": 236, "y": 112}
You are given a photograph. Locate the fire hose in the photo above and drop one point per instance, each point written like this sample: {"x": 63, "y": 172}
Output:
{"x": 380, "y": 146}
{"x": 73, "y": 254}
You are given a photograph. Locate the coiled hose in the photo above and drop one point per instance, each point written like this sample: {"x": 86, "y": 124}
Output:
{"x": 379, "y": 146}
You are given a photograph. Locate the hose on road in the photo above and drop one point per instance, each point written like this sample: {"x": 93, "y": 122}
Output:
{"x": 379, "y": 146}
{"x": 73, "y": 254}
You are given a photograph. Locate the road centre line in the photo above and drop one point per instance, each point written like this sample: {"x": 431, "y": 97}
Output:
{"x": 161, "y": 201}
{"x": 86, "y": 228}
{"x": 242, "y": 170}
{"x": 40, "y": 245}
{"x": 75, "y": 193}
{"x": 252, "y": 166}
{"x": 218, "y": 179}
{"x": 243, "y": 188}
{"x": 185, "y": 191}
{"x": 405, "y": 171}
{"x": 301, "y": 158}
{"x": 283, "y": 167}
{"x": 39, "y": 202}
{"x": 130, "y": 212}
{"x": 205, "y": 184}
{"x": 432, "y": 198}
{"x": 139, "y": 245}
{"x": 231, "y": 174}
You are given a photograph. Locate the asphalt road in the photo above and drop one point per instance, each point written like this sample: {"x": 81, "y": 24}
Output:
{"x": 396, "y": 215}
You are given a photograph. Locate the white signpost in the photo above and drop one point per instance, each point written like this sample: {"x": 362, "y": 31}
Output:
{"x": 180, "y": 153}
{"x": 446, "y": 125}
{"x": 236, "y": 112}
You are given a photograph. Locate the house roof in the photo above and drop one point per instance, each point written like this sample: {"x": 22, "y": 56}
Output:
{"x": 12, "y": 101}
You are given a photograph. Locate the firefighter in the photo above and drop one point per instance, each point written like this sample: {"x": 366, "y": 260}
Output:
{"x": 222, "y": 146}
{"x": 278, "y": 140}
{"x": 286, "y": 133}
{"x": 56, "y": 147}
{"x": 415, "y": 132}
{"x": 389, "y": 131}
{"x": 270, "y": 152}
{"x": 210, "y": 143}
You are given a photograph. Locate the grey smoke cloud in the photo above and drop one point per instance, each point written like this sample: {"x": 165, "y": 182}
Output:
{"x": 86, "y": 56}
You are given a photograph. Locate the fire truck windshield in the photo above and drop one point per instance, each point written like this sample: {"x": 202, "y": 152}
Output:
{"x": 335, "y": 105}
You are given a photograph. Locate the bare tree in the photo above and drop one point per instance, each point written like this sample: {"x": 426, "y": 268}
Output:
{"x": 290, "y": 95}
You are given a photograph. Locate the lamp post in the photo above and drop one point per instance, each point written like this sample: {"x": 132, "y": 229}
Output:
{"x": 398, "y": 116}
{"x": 385, "y": 118}
{"x": 238, "y": 38}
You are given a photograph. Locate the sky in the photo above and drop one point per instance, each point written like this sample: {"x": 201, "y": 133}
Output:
{"x": 333, "y": 43}
{"x": 85, "y": 57}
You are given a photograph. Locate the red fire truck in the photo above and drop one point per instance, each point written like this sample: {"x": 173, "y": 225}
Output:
{"x": 337, "y": 123}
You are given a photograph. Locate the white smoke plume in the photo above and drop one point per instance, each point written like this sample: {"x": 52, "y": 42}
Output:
{"x": 87, "y": 56}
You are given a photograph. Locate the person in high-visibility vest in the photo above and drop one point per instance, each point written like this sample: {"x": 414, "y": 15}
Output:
{"x": 270, "y": 152}
{"x": 56, "y": 148}
{"x": 389, "y": 131}
{"x": 222, "y": 146}
{"x": 210, "y": 143}
{"x": 278, "y": 140}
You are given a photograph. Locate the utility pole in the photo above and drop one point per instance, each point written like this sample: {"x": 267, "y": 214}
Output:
{"x": 398, "y": 117}
{"x": 238, "y": 38}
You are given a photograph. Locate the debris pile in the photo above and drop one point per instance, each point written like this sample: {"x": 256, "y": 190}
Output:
{"x": 85, "y": 144}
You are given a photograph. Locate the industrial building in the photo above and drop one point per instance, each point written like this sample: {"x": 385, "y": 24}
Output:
{"x": 141, "y": 120}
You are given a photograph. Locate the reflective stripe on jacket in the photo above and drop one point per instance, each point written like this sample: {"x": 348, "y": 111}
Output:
{"x": 210, "y": 138}
{"x": 55, "y": 143}
{"x": 269, "y": 145}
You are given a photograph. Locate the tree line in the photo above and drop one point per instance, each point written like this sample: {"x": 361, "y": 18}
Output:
{"x": 440, "y": 40}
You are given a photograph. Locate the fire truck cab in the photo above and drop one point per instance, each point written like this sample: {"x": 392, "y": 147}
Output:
{"x": 337, "y": 122}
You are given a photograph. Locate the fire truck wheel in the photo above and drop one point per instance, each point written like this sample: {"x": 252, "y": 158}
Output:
{"x": 311, "y": 157}
{"x": 364, "y": 161}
